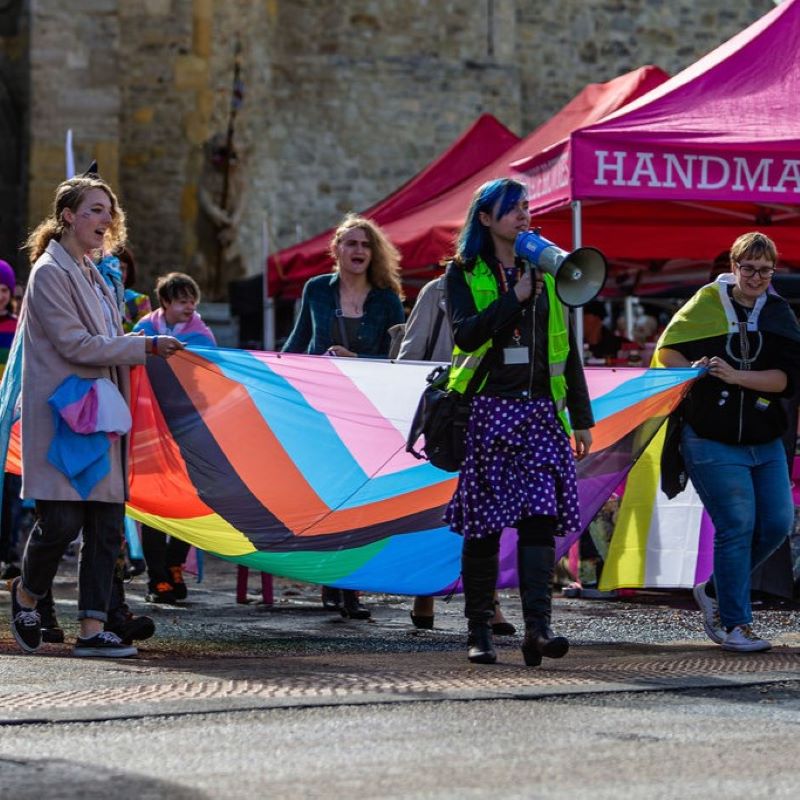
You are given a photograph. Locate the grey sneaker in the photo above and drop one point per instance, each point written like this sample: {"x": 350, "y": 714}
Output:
{"x": 712, "y": 624}
{"x": 103, "y": 645}
{"x": 742, "y": 640}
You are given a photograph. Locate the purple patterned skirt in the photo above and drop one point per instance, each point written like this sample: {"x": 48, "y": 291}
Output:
{"x": 518, "y": 463}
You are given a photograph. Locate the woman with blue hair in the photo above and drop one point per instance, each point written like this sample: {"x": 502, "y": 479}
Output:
{"x": 512, "y": 342}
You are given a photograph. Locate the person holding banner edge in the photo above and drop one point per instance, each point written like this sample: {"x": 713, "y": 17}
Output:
{"x": 70, "y": 327}
{"x": 519, "y": 468}
{"x": 348, "y": 314}
{"x": 427, "y": 337}
{"x": 748, "y": 339}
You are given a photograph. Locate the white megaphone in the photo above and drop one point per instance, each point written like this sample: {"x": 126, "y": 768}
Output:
{"x": 579, "y": 275}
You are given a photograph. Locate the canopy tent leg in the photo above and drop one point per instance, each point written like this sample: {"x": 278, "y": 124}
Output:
{"x": 577, "y": 241}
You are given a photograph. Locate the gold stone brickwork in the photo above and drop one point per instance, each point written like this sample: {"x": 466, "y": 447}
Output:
{"x": 344, "y": 99}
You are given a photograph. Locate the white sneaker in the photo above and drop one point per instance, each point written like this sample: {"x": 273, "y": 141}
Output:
{"x": 742, "y": 640}
{"x": 712, "y": 624}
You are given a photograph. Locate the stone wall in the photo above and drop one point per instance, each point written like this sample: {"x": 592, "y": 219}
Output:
{"x": 565, "y": 45}
{"x": 13, "y": 125}
{"x": 344, "y": 100}
{"x": 74, "y": 84}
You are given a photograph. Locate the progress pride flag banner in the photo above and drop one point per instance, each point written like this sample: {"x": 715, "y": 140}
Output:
{"x": 652, "y": 173}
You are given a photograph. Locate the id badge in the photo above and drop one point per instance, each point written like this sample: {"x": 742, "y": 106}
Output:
{"x": 515, "y": 355}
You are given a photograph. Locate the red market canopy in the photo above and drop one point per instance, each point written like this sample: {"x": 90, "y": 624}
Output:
{"x": 425, "y": 234}
{"x": 482, "y": 143}
{"x": 682, "y": 171}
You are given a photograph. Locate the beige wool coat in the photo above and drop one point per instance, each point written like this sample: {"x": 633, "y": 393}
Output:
{"x": 65, "y": 333}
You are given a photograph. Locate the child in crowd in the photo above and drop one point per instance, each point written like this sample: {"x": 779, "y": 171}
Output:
{"x": 135, "y": 305}
{"x": 178, "y": 297}
{"x": 9, "y": 568}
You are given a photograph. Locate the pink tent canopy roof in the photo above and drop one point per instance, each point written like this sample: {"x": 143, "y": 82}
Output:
{"x": 425, "y": 234}
{"x": 724, "y": 129}
{"x": 481, "y": 143}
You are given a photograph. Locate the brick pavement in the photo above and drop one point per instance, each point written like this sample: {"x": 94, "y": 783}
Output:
{"x": 211, "y": 654}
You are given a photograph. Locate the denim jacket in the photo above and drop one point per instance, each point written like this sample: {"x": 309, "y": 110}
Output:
{"x": 315, "y": 329}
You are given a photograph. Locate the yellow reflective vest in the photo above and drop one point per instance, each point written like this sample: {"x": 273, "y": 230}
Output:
{"x": 483, "y": 286}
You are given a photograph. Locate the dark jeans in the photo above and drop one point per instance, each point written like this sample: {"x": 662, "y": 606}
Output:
{"x": 58, "y": 523}
{"x": 160, "y": 554}
{"x": 10, "y": 516}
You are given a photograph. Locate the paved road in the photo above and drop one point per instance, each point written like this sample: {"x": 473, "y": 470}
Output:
{"x": 247, "y": 701}
{"x": 731, "y": 743}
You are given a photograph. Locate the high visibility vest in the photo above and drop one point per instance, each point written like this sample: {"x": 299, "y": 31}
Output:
{"x": 483, "y": 286}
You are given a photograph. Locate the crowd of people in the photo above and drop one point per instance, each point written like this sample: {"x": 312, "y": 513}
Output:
{"x": 499, "y": 323}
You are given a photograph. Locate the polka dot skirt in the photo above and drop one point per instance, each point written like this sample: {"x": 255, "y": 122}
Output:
{"x": 518, "y": 462}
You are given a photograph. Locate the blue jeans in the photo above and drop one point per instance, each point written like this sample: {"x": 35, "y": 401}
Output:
{"x": 747, "y": 493}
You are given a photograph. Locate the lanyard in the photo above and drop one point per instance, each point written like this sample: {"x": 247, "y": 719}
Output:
{"x": 517, "y": 335}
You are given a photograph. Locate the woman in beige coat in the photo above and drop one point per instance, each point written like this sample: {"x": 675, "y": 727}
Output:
{"x": 71, "y": 327}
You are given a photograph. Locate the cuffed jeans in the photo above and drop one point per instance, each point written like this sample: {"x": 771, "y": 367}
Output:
{"x": 747, "y": 493}
{"x": 58, "y": 523}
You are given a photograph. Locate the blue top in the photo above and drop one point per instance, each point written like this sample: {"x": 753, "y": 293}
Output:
{"x": 317, "y": 329}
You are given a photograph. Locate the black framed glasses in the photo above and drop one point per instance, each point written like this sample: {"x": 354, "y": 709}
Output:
{"x": 748, "y": 270}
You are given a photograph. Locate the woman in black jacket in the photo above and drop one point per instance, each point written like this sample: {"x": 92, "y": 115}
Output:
{"x": 749, "y": 340}
{"x": 519, "y": 469}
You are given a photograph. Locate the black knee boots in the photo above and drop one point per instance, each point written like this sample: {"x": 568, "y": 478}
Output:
{"x": 479, "y": 576}
{"x": 535, "y": 566}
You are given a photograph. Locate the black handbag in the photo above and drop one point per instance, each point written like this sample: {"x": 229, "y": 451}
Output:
{"x": 441, "y": 418}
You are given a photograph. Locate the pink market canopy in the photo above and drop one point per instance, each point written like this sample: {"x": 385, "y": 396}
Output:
{"x": 713, "y": 152}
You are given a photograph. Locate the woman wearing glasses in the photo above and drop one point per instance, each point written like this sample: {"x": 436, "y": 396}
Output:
{"x": 748, "y": 340}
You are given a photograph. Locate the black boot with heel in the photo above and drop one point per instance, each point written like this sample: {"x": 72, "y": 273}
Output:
{"x": 536, "y": 565}
{"x": 479, "y": 576}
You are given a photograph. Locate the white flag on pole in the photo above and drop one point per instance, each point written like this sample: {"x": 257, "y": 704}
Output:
{"x": 70, "y": 155}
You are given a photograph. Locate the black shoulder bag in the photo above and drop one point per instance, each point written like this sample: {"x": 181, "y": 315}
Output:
{"x": 442, "y": 417}
{"x": 674, "y": 475}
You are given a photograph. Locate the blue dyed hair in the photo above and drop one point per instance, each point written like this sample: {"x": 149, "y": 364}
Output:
{"x": 474, "y": 238}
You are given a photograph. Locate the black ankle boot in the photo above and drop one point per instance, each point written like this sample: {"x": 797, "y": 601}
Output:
{"x": 121, "y": 620}
{"x": 51, "y": 630}
{"x": 480, "y": 644}
{"x": 479, "y": 576}
{"x": 535, "y": 566}
{"x": 352, "y": 607}
{"x": 542, "y": 642}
